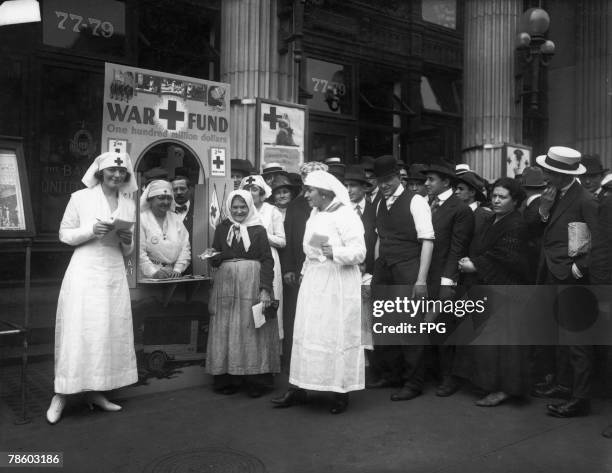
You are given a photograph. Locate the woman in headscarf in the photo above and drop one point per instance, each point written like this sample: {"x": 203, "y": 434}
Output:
{"x": 328, "y": 352}
{"x": 498, "y": 256}
{"x": 94, "y": 341}
{"x": 242, "y": 253}
{"x": 272, "y": 221}
{"x": 164, "y": 241}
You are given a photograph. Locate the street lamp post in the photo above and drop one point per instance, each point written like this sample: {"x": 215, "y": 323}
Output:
{"x": 534, "y": 50}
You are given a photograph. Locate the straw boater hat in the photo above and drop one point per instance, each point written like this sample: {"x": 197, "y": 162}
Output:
{"x": 336, "y": 167}
{"x": 270, "y": 168}
{"x": 562, "y": 160}
{"x": 462, "y": 168}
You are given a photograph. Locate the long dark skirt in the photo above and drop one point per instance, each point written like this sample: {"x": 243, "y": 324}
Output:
{"x": 235, "y": 346}
{"x": 494, "y": 368}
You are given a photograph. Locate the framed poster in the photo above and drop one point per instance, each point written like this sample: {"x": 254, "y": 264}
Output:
{"x": 281, "y": 134}
{"x": 515, "y": 159}
{"x": 16, "y": 219}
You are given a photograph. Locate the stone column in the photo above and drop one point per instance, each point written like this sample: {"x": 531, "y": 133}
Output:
{"x": 490, "y": 114}
{"x": 594, "y": 79}
{"x": 251, "y": 63}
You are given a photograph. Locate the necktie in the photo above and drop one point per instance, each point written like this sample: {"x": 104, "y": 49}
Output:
{"x": 358, "y": 210}
{"x": 434, "y": 204}
{"x": 180, "y": 208}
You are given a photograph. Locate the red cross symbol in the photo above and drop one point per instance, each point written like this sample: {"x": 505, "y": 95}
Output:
{"x": 213, "y": 211}
{"x": 272, "y": 117}
{"x": 118, "y": 161}
{"x": 218, "y": 162}
{"x": 250, "y": 180}
{"x": 172, "y": 115}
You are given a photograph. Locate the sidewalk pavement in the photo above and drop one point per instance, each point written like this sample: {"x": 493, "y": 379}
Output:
{"x": 193, "y": 429}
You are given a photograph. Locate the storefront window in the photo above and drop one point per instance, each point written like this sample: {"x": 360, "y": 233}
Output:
{"x": 440, "y": 93}
{"x": 11, "y": 98}
{"x": 330, "y": 86}
{"x": 70, "y": 131}
{"x": 440, "y": 12}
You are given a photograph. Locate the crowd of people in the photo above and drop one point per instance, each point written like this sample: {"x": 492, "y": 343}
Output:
{"x": 305, "y": 246}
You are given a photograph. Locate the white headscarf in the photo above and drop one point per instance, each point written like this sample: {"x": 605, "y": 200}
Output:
{"x": 324, "y": 180}
{"x": 251, "y": 219}
{"x": 108, "y": 160}
{"x": 259, "y": 182}
{"x": 157, "y": 187}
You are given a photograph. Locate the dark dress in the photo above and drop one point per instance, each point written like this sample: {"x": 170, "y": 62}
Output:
{"x": 499, "y": 255}
{"x": 235, "y": 346}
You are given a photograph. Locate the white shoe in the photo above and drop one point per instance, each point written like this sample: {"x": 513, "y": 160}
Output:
{"x": 54, "y": 413}
{"x": 98, "y": 399}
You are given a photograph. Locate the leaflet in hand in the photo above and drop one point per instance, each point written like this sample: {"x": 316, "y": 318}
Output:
{"x": 258, "y": 316}
{"x": 117, "y": 224}
{"x": 316, "y": 240}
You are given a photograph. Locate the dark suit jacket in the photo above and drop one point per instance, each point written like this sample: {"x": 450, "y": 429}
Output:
{"x": 369, "y": 225}
{"x": 535, "y": 228}
{"x": 292, "y": 257}
{"x": 453, "y": 224}
{"x": 601, "y": 272}
{"x": 577, "y": 205}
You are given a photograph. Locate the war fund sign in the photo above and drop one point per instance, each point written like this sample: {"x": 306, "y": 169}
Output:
{"x": 143, "y": 108}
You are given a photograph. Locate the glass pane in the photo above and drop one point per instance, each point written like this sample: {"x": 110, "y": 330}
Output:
{"x": 374, "y": 142}
{"x": 430, "y": 101}
{"x": 330, "y": 86}
{"x": 70, "y": 132}
{"x": 440, "y": 12}
{"x": 327, "y": 146}
{"x": 377, "y": 96}
{"x": 12, "y": 101}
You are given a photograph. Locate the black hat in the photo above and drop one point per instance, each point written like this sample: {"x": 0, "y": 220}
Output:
{"x": 270, "y": 168}
{"x": 283, "y": 180}
{"x": 296, "y": 179}
{"x": 355, "y": 173}
{"x": 242, "y": 165}
{"x": 367, "y": 162}
{"x": 385, "y": 166}
{"x": 475, "y": 182}
{"x": 401, "y": 164}
{"x": 441, "y": 167}
{"x": 592, "y": 163}
{"x": 415, "y": 172}
{"x": 533, "y": 178}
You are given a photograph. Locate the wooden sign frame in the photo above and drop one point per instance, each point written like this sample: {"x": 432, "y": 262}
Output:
{"x": 16, "y": 217}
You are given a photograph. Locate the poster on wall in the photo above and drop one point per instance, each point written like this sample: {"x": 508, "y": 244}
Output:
{"x": 516, "y": 159}
{"x": 15, "y": 208}
{"x": 281, "y": 134}
{"x": 170, "y": 124}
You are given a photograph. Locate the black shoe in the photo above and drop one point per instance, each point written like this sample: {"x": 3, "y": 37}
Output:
{"x": 381, "y": 383}
{"x": 230, "y": 389}
{"x": 449, "y": 386}
{"x": 572, "y": 408}
{"x": 255, "y": 390}
{"x": 340, "y": 403}
{"x": 405, "y": 394}
{"x": 556, "y": 392}
{"x": 546, "y": 383}
{"x": 290, "y": 398}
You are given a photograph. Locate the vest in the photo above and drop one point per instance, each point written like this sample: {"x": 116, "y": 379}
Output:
{"x": 397, "y": 231}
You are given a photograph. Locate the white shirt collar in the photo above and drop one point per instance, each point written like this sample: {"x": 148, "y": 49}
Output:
{"x": 360, "y": 204}
{"x": 443, "y": 196}
{"x": 474, "y": 205}
{"x": 531, "y": 198}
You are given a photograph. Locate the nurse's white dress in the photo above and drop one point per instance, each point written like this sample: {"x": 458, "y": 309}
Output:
{"x": 94, "y": 340}
{"x": 328, "y": 351}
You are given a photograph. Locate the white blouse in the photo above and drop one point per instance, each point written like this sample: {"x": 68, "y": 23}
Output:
{"x": 163, "y": 246}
